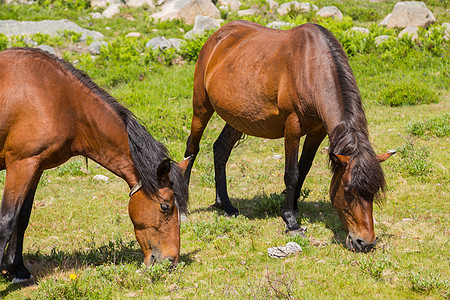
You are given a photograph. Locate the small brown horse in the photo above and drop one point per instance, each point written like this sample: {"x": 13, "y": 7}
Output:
{"x": 51, "y": 111}
{"x": 271, "y": 83}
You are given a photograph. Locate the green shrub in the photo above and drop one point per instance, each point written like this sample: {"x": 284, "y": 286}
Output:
{"x": 68, "y": 4}
{"x": 72, "y": 168}
{"x": 439, "y": 126}
{"x": 414, "y": 160}
{"x": 407, "y": 93}
{"x": 190, "y": 48}
{"x": 3, "y": 42}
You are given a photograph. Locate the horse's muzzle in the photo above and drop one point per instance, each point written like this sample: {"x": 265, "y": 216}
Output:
{"x": 360, "y": 245}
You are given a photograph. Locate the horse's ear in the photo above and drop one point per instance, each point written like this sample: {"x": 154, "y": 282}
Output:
{"x": 340, "y": 159}
{"x": 382, "y": 157}
{"x": 163, "y": 173}
{"x": 184, "y": 163}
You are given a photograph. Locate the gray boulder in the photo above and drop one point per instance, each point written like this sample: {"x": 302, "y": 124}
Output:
{"x": 111, "y": 11}
{"x": 176, "y": 43}
{"x": 273, "y": 5}
{"x": 409, "y": 13}
{"x": 104, "y": 3}
{"x": 330, "y": 12}
{"x": 360, "y": 29}
{"x": 248, "y": 12}
{"x": 50, "y": 27}
{"x": 140, "y": 3}
{"x": 412, "y": 31}
{"x": 294, "y": 6}
{"x": 47, "y": 48}
{"x": 381, "y": 39}
{"x": 280, "y": 24}
{"x": 186, "y": 10}
{"x": 202, "y": 24}
{"x": 233, "y": 5}
{"x": 96, "y": 47}
{"x": 158, "y": 42}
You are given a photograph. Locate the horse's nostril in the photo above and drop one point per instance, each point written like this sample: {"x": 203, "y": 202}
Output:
{"x": 361, "y": 243}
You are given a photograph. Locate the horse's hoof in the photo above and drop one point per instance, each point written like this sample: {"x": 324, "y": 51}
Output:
{"x": 17, "y": 280}
{"x": 217, "y": 205}
{"x": 232, "y": 214}
{"x": 301, "y": 231}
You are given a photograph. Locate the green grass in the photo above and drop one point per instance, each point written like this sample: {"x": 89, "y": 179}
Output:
{"x": 80, "y": 242}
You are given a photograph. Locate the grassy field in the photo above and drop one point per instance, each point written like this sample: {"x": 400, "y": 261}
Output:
{"x": 80, "y": 242}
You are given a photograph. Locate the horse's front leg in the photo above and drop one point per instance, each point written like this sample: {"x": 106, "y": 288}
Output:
{"x": 292, "y": 134}
{"x": 222, "y": 150}
{"x": 310, "y": 146}
{"x": 22, "y": 178}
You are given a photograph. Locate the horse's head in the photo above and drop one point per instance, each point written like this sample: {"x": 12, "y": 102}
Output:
{"x": 155, "y": 218}
{"x": 354, "y": 211}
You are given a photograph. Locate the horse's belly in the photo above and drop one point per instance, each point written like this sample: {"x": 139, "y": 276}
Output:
{"x": 258, "y": 122}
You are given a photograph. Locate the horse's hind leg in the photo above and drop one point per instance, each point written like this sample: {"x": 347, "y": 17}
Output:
{"x": 21, "y": 181}
{"x": 222, "y": 150}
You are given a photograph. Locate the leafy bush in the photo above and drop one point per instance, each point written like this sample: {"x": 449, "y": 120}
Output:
{"x": 68, "y": 4}
{"x": 190, "y": 48}
{"x": 439, "y": 126}
{"x": 407, "y": 93}
{"x": 3, "y": 42}
{"x": 414, "y": 160}
{"x": 72, "y": 168}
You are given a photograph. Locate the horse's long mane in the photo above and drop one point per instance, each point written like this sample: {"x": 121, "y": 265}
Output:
{"x": 351, "y": 136}
{"x": 146, "y": 151}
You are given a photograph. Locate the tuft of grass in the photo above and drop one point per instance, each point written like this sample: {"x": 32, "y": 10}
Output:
{"x": 407, "y": 93}
{"x": 424, "y": 282}
{"x": 72, "y": 168}
{"x": 439, "y": 126}
{"x": 414, "y": 160}
{"x": 222, "y": 227}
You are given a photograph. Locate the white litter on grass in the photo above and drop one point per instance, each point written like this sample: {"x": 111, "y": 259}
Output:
{"x": 282, "y": 252}
{"x": 101, "y": 178}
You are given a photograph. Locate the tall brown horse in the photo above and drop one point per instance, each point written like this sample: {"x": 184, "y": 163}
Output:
{"x": 271, "y": 83}
{"x": 51, "y": 111}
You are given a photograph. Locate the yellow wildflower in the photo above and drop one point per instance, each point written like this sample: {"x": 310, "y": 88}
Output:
{"x": 73, "y": 276}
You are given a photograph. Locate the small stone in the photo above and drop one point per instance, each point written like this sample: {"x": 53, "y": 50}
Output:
{"x": 101, "y": 178}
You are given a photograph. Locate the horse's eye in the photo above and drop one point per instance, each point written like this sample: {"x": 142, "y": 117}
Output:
{"x": 165, "y": 208}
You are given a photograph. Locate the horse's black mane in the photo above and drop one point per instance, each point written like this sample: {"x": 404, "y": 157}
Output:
{"x": 351, "y": 136}
{"x": 146, "y": 151}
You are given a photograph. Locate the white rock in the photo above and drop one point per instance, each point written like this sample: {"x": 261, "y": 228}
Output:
{"x": 233, "y": 5}
{"x": 140, "y": 3}
{"x": 411, "y": 31}
{"x": 248, "y": 12}
{"x": 101, "y": 178}
{"x": 134, "y": 34}
{"x": 330, "y": 12}
{"x": 186, "y": 10}
{"x": 111, "y": 11}
{"x": 272, "y": 5}
{"x": 409, "y": 13}
{"x": 360, "y": 29}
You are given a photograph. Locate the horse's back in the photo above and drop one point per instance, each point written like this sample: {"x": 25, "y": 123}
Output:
{"x": 251, "y": 74}
{"x": 34, "y": 111}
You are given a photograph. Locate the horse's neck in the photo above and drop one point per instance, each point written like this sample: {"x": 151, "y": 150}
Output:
{"x": 101, "y": 135}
